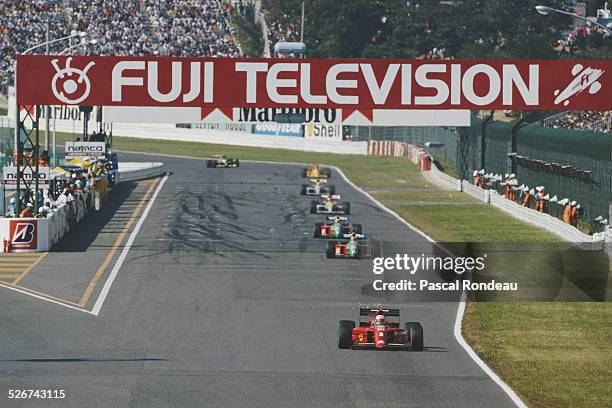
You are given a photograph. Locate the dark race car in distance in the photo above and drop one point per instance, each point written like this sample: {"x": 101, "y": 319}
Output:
{"x": 220, "y": 161}
{"x": 379, "y": 329}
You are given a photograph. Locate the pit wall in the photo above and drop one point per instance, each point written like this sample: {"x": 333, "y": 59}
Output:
{"x": 40, "y": 234}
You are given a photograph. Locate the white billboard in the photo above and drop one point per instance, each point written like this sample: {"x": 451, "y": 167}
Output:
{"x": 84, "y": 149}
{"x": 375, "y": 117}
{"x": 9, "y": 176}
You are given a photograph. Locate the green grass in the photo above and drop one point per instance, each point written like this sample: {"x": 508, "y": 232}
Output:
{"x": 426, "y": 196}
{"x": 480, "y": 223}
{"x": 445, "y": 166}
{"x": 551, "y": 354}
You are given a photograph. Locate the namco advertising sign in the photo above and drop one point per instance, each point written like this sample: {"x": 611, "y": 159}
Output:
{"x": 84, "y": 149}
{"x": 349, "y": 84}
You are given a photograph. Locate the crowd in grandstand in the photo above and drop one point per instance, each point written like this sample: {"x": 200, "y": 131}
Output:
{"x": 283, "y": 29}
{"x": 582, "y": 120}
{"x": 23, "y": 24}
{"x": 120, "y": 27}
{"x": 438, "y": 53}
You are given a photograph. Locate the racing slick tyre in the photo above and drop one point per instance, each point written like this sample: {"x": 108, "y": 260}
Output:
{"x": 313, "y": 207}
{"x": 345, "y": 334}
{"x": 331, "y": 250}
{"x": 236, "y": 162}
{"x": 416, "y": 335}
{"x": 210, "y": 163}
{"x": 347, "y": 208}
{"x": 331, "y": 190}
{"x": 357, "y": 228}
{"x": 304, "y": 187}
{"x": 317, "y": 229}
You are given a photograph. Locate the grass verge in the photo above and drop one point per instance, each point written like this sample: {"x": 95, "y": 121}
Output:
{"x": 551, "y": 354}
{"x": 426, "y": 196}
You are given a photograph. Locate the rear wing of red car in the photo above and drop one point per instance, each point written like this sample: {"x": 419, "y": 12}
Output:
{"x": 370, "y": 311}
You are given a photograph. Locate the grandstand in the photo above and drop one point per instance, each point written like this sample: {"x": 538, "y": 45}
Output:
{"x": 580, "y": 120}
{"x": 121, "y": 27}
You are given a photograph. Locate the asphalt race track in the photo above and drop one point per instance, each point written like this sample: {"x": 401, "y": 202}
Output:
{"x": 225, "y": 300}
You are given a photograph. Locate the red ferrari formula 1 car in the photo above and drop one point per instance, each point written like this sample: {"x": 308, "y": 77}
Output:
{"x": 377, "y": 331}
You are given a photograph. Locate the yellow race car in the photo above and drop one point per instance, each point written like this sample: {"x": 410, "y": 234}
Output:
{"x": 315, "y": 171}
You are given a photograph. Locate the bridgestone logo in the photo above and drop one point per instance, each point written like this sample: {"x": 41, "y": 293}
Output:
{"x": 24, "y": 233}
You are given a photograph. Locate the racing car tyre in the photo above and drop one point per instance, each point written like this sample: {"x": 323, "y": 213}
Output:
{"x": 317, "y": 230}
{"x": 313, "y": 207}
{"x": 331, "y": 250}
{"x": 416, "y": 335}
{"x": 347, "y": 208}
{"x": 345, "y": 334}
{"x": 357, "y": 228}
{"x": 237, "y": 162}
{"x": 210, "y": 163}
{"x": 331, "y": 190}
{"x": 304, "y": 187}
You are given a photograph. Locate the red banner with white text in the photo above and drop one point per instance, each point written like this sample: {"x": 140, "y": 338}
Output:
{"x": 350, "y": 84}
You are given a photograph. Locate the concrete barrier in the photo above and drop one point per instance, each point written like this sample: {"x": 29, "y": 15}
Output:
{"x": 139, "y": 171}
{"x": 170, "y": 132}
{"x": 40, "y": 234}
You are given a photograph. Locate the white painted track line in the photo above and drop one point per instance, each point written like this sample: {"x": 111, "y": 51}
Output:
{"x": 128, "y": 245}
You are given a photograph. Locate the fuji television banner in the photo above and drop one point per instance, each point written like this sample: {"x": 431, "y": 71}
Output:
{"x": 218, "y": 85}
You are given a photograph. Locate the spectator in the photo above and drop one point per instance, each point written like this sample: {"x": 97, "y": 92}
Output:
{"x": 28, "y": 211}
{"x": 574, "y": 213}
{"x": 527, "y": 198}
{"x": 540, "y": 201}
{"x": 12, "y": 208}
{"x": 567, "y": 213}
{"x": 64, "y": 198}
